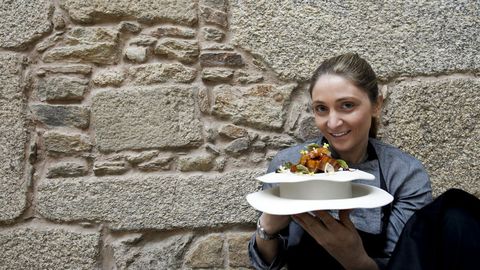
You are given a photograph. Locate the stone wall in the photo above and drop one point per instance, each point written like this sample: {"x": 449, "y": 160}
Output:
{"x": 131, "y": 131}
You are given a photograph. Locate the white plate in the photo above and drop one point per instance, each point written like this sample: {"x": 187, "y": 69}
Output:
{"x": 340, "y": 176}
{"x": 363, "y": 196}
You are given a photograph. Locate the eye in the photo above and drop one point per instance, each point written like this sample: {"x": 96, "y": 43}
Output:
{"x": 319, "y": 109}
{"x": 347, "y": 106}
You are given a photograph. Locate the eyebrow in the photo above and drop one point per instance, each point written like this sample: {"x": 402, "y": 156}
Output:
{"x": 349, "y": 98}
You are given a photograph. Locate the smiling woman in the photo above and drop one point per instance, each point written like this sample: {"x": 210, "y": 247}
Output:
{"x": 346, "y": 105}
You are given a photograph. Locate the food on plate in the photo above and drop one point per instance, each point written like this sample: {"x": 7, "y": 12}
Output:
{"x": 316, "y": 159}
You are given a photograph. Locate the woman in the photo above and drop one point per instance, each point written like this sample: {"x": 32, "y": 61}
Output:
{"x": 347, "y": 105}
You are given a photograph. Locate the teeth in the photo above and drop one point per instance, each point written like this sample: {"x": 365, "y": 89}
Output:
{"x": 339, "y": 134}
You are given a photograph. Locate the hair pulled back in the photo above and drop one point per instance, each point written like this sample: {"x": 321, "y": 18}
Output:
{"x": 356, "y": 70}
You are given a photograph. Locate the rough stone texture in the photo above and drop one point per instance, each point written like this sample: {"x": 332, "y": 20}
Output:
{"x": 66, "y": 69}
{"x": 148, "y": 11}
{"x": 213, "y": 34}
{"x": 262, "y": 106}
{"x": 215, "y": 4}
{"x": 167, "y": 254}
{"x": 161, "y": 72}
{"x": 156, "y": 164}
{"x": 136, "y": 54}
{"x": 189, "y": 163}
{"x": 48, "y": 248}
{"x": 213, "y": 16}
{"x": 141, "y": 157}
{"x": 12, "y": 137}
{"x": 244, "y": 77}
{"x": 217, "y": 74}
{"x": 102, "y": 168}
{"x": 158, "y": 117}
{"x": 68, "y": 169}
{"x": 130, "y": 27}
{"x": 238, "y": 146}
{"x": 23, "y": 22}
{"x": 109, "y": 77}
{"x": 151, "y": 201}
{"x": 185, "y": 51}
{"x": 232, "y": 131}
{"x": 222, "y": 59}
{"x": 57, "y": 143}
{"x": 207, "y": 252}
{"x": 62, "y": 115}
{"x": 307, "y": 129}
{"x": 237, "y": 251}
{"x": 143, "y": 40}
{"x": 436, "y": 121}
{"x": 173, "y": 31}
{"x": 398, "y": 37}
{"x": 62, "y": 88}
{"x": 91, "y": 44}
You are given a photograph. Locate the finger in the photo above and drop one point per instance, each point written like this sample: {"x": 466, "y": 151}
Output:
{"x": 326, "y": 218}
{"x": 344, "y": 216}
{"x": 307, "y": 221}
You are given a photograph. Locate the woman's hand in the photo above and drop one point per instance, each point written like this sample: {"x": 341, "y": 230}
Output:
{"x": 272, "y": 224}
{"x": 338, "y": 237}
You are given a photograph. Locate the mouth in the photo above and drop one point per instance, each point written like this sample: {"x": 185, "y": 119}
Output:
{"x": 339, "y": 134}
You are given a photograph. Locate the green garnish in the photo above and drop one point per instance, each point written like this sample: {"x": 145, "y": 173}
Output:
{"x": 342, "y": 163}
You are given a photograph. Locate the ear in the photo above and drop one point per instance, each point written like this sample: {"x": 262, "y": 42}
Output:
{"x": 377, "y": 107}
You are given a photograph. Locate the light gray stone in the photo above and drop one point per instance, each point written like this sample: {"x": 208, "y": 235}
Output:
{"x": 173, "y": 31}
{"x": 207, "y": 252}
{"x": 217, "y": 74}
{"x": 130, "y": 27}
{"x": 244, "y": 77}
{"x": 66, "y": 69}
{"x": 232, "y": 131}
{"x": 90, "y": 44}
{"x": 203, "y": 100}
{"x": 213, "y": 46}
{"x": 185, "y": 51}
{"x": 214, "y": 16}
{"x": 237, "y": 253}
{"x": 161, "y": 72}
{"x": 167, "y": 254}
{"x": 398, "y": 37}
{"x": 101, "y": 168}
{"x": 24, "y": 22}
{"x": 57, "y": 143}
{"x": 278, "y": 141}
{"x": 147, "y": 11}
{"x": 68, "y": 169}
{"x": 238, "y": 146}
{"x": 221, "y": 59}
{"x": 143, "y": 40}
{"x": 213, "y": 34}
{"x": 141, "y": 202}
{"x": 262, "y": 106}
{"x": 48, "y": 248}
{"x": 436, "y": 121}
{"x": 190, "y": 163}
{"x": 13, "y": 137}
{"x": 307, "y": 129}
{"x": 215, "y": 4}
{"x": 141, "y": 157}
{"x": 62, "y": 115}
{"x": 156, "y": 164}
{"x": 109, "y": 77}
{"x": 136, "y": 54}
{"x": 158, "y": 117}
{"x": 62, "y": 88}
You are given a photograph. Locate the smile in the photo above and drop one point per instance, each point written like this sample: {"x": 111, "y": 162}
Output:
{"x": 340, "y": 133}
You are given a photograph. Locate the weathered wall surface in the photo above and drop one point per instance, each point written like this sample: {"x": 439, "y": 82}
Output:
{"x": 131, "y": 131}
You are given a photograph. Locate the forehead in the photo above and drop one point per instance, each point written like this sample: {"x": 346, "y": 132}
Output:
{"x": 331, "y": 87}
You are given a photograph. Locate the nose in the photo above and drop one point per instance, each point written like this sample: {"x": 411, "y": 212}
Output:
{"x": 334, "y": 121}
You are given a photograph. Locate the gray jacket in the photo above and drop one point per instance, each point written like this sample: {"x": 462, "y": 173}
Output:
{"x": 405, "y": 178}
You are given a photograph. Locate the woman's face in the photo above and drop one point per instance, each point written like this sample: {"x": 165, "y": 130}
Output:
{"x": 343, "y": 113}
